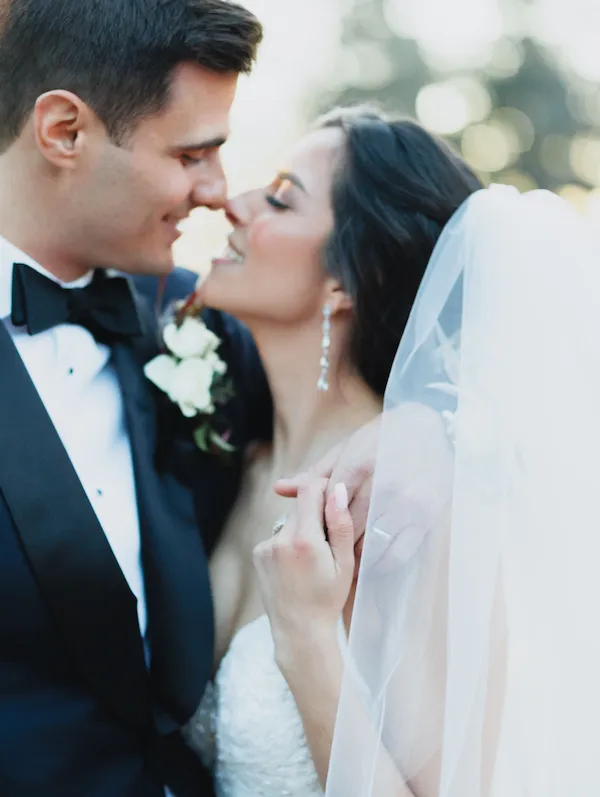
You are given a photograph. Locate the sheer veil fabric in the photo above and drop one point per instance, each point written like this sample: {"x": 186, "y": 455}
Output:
{"x": 473, "y": 666}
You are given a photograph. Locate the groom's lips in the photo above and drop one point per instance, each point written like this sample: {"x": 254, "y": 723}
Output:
{"x": 172, "y": 223}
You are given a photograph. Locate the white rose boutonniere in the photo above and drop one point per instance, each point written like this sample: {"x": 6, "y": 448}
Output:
{"x": 190, "y": 338}
{"x": 191, "y": 373}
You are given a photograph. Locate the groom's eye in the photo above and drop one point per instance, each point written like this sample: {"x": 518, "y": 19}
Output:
{"x": 191, "y": 160}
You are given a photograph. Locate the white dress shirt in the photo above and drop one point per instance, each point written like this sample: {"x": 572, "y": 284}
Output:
{"x": 82, "y": 396}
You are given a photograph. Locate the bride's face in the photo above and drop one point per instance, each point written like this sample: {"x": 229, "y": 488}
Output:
{"x": 272, "y": 270}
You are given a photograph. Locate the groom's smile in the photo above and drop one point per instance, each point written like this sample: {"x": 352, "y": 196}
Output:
{"x": 170, "y": 165}
{"x": 172, "y": 225}
{"x": 123, "y": 198}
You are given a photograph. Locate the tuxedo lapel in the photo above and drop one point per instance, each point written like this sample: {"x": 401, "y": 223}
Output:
{"x": 91, "y": 603}
{"x": 180, "y": 618}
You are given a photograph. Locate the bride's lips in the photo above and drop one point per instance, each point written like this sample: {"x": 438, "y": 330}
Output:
{"x": 230, "y": 257}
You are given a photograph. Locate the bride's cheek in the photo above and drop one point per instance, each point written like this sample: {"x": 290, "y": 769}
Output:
{"x": 262, "y": 237}
{"x": 272, "y": 243}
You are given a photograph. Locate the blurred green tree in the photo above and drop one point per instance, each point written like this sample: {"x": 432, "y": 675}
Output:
{"x": 537, "y": 126}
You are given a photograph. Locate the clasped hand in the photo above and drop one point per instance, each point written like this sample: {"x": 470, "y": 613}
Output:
{"x": 306, "y": 570}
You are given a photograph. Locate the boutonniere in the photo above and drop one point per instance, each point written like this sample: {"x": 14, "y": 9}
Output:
{"x": 193, "y": 376}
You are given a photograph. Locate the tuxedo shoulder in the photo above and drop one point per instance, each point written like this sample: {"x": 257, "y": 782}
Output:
{"x": 177, "y": 285}
{"x": 227, "y": 327}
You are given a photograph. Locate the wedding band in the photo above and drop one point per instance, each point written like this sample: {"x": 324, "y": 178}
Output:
{"x": 279, "y": 525}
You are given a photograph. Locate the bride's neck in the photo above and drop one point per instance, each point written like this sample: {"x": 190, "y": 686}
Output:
{"x": 308, "y": 422}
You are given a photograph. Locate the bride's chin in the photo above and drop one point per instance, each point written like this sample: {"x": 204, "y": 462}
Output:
{"x": 214, "y": 294}
{"x": 204, "y": 293}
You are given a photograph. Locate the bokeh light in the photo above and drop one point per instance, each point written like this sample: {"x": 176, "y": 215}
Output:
{"x": 452, "y": 35}
{"x": 490, "y": 147}
{"x": 585, "y": 158}
{"x": 448, "y": 107}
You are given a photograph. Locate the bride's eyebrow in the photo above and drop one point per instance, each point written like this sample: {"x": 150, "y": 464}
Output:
{"x": 293, "y": 179}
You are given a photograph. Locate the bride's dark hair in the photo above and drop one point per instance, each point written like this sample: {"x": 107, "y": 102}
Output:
{"x": 394, "y": 189}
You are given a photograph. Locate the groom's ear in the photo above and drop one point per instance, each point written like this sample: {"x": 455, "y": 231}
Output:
{"x": 62, "y": 122}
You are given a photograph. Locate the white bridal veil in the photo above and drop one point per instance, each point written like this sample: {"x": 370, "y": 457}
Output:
{"x": 473, "y": 667}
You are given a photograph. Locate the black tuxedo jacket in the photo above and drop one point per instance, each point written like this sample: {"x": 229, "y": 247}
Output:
{"x": 81, "y": 715}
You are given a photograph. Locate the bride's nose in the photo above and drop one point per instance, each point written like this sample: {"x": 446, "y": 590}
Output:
{"x": 240, "y": 210}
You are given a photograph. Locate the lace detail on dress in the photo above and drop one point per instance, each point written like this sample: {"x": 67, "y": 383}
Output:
{"x": 201, "y": 731}
{"x": 249, "y": 726}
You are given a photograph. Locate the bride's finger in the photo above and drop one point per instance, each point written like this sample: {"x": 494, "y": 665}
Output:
{"x": 288, "y": 488}
{"x": 340, "y": 528}
{"x": 310, "y": 507}
{"x": 285, "y": 529}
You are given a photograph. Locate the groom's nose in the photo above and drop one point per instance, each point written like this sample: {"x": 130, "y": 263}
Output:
{"x": 211, "y": 191}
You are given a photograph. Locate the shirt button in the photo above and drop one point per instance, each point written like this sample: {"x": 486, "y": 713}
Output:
{"x": 71, "y": 371}
{"x": 99, "y": 492}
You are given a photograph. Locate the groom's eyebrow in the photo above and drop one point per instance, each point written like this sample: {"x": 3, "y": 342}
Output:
{"x": 210, "y": 143}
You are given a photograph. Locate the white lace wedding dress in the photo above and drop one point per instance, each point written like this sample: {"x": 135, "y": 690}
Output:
{"x": 248, "y": 727}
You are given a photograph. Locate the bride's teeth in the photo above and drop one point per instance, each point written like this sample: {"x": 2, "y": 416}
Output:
{"x": 231, "y": 254}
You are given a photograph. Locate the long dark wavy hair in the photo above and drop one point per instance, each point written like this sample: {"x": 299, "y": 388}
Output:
{"x": 395, "y": 187}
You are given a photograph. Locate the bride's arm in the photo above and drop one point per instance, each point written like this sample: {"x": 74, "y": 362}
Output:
{"x": 315, "y": 679}
{"x": 305, "y": 582}
{"x": 314, "y": 673}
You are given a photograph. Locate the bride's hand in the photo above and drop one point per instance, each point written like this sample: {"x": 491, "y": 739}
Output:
{"x": 351, "y": 462}
{"x": 306, "y": 577}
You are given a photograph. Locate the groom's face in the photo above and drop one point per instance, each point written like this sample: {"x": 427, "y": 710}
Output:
{"x": 134, "y": 196}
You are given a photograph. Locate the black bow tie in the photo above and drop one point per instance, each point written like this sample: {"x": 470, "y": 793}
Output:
{"x": 105, "y": 307}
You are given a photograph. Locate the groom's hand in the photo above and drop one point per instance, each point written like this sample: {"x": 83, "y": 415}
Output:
{"x": 351, "y": 463}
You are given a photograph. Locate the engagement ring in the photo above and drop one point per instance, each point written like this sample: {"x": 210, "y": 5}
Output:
{"x": 279, "y": 525}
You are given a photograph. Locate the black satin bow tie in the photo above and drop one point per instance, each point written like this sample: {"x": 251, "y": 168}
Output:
{"x": 105, "y": 307}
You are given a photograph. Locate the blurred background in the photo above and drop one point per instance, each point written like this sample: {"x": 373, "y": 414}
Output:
{"x": 512, "y": 84}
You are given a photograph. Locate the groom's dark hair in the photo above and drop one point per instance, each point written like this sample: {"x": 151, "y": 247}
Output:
{"x": 118, "y": 56}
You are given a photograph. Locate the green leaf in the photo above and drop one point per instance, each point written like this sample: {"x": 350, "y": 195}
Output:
{"x": 222, "y": 444}
{"x": 222, "y": 391}
{"x": 201, "y": 437}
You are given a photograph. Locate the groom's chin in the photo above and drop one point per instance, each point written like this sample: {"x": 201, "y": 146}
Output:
{"x": 150, "y": 267}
